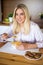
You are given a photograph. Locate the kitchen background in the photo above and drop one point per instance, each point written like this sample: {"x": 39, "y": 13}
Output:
{"x": 35, "y": 8}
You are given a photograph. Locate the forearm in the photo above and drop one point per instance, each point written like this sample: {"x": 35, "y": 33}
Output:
{"x": 26, "y": 46}
{"x": 29, "y": 45}
{"x": 32, "y": 45}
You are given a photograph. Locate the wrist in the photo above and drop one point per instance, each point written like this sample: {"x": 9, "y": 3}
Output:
{"x": 32, "y": 46}
{"x": 39, "y": 45}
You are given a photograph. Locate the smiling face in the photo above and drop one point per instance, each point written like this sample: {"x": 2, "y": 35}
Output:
{"x": 20, "y": 16}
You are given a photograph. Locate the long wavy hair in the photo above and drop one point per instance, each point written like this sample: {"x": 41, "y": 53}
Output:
{"x": 16, "y": 26}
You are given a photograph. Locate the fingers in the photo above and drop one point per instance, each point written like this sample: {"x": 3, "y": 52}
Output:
{"x": 4, "y": 36}
{"x": 21, "y": 47}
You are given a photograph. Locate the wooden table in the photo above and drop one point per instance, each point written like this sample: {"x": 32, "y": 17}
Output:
{"x": 13, "y": 59}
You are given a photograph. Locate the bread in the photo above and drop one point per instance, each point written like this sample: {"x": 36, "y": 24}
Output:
{"x": 33, "y": 55}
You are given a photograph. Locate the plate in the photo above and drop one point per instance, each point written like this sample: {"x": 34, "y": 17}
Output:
{"x": 33, "y": 55}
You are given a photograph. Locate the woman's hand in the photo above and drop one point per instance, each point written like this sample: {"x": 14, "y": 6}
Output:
{"x": 4, "y": 36}
{"x": 26, "y": 46}
{"x": 21, "y": 47}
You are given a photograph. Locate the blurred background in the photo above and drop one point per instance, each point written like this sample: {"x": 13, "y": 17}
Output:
{"x": 35, "y": 8}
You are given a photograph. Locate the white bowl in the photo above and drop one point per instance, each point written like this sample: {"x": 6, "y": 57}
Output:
{"x": 32, "y": 58}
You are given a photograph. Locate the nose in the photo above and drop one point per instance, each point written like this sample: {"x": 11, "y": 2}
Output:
{"x": 19, "y": 16}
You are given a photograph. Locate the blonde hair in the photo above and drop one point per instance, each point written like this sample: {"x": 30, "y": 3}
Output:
{"x": 16, "y": 26}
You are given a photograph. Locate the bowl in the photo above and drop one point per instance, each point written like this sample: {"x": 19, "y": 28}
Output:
{"x": 33, "y": 55}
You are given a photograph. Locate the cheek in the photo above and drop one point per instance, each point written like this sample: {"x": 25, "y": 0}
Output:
{"x": 16, "y": 18}
{"x": 24, "y": 18}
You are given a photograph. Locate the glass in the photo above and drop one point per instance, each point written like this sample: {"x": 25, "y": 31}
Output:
{"x": 16, "y": 40}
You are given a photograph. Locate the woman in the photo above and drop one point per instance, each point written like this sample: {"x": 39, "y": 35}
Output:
{"x": 25, "y": 30}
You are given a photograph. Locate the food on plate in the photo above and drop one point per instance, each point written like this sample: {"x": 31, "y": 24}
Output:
{"x": 33, "y": 55}
{"x": 14, "y": 36}
{"x": 17, "y": 43}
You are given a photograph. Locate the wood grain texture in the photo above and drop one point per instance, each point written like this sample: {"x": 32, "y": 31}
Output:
{"x": 13, "y": 59}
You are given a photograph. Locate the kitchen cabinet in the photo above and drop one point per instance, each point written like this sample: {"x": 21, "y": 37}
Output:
{"x": 0, "y": 12}
{"x": 39, "y": 22}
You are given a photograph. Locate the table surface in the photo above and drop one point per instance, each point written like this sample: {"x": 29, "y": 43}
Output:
{"x": 14, "y": 59}
{"x": 9, "y": 55}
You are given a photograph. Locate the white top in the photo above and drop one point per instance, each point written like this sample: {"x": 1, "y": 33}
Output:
{"x": 34, "y": 35}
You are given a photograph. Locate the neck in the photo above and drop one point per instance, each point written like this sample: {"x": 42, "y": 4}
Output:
{"x": 21, "y": 25}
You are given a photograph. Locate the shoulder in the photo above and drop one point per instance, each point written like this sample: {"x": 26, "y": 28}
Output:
{"x": 33, "y": 24}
